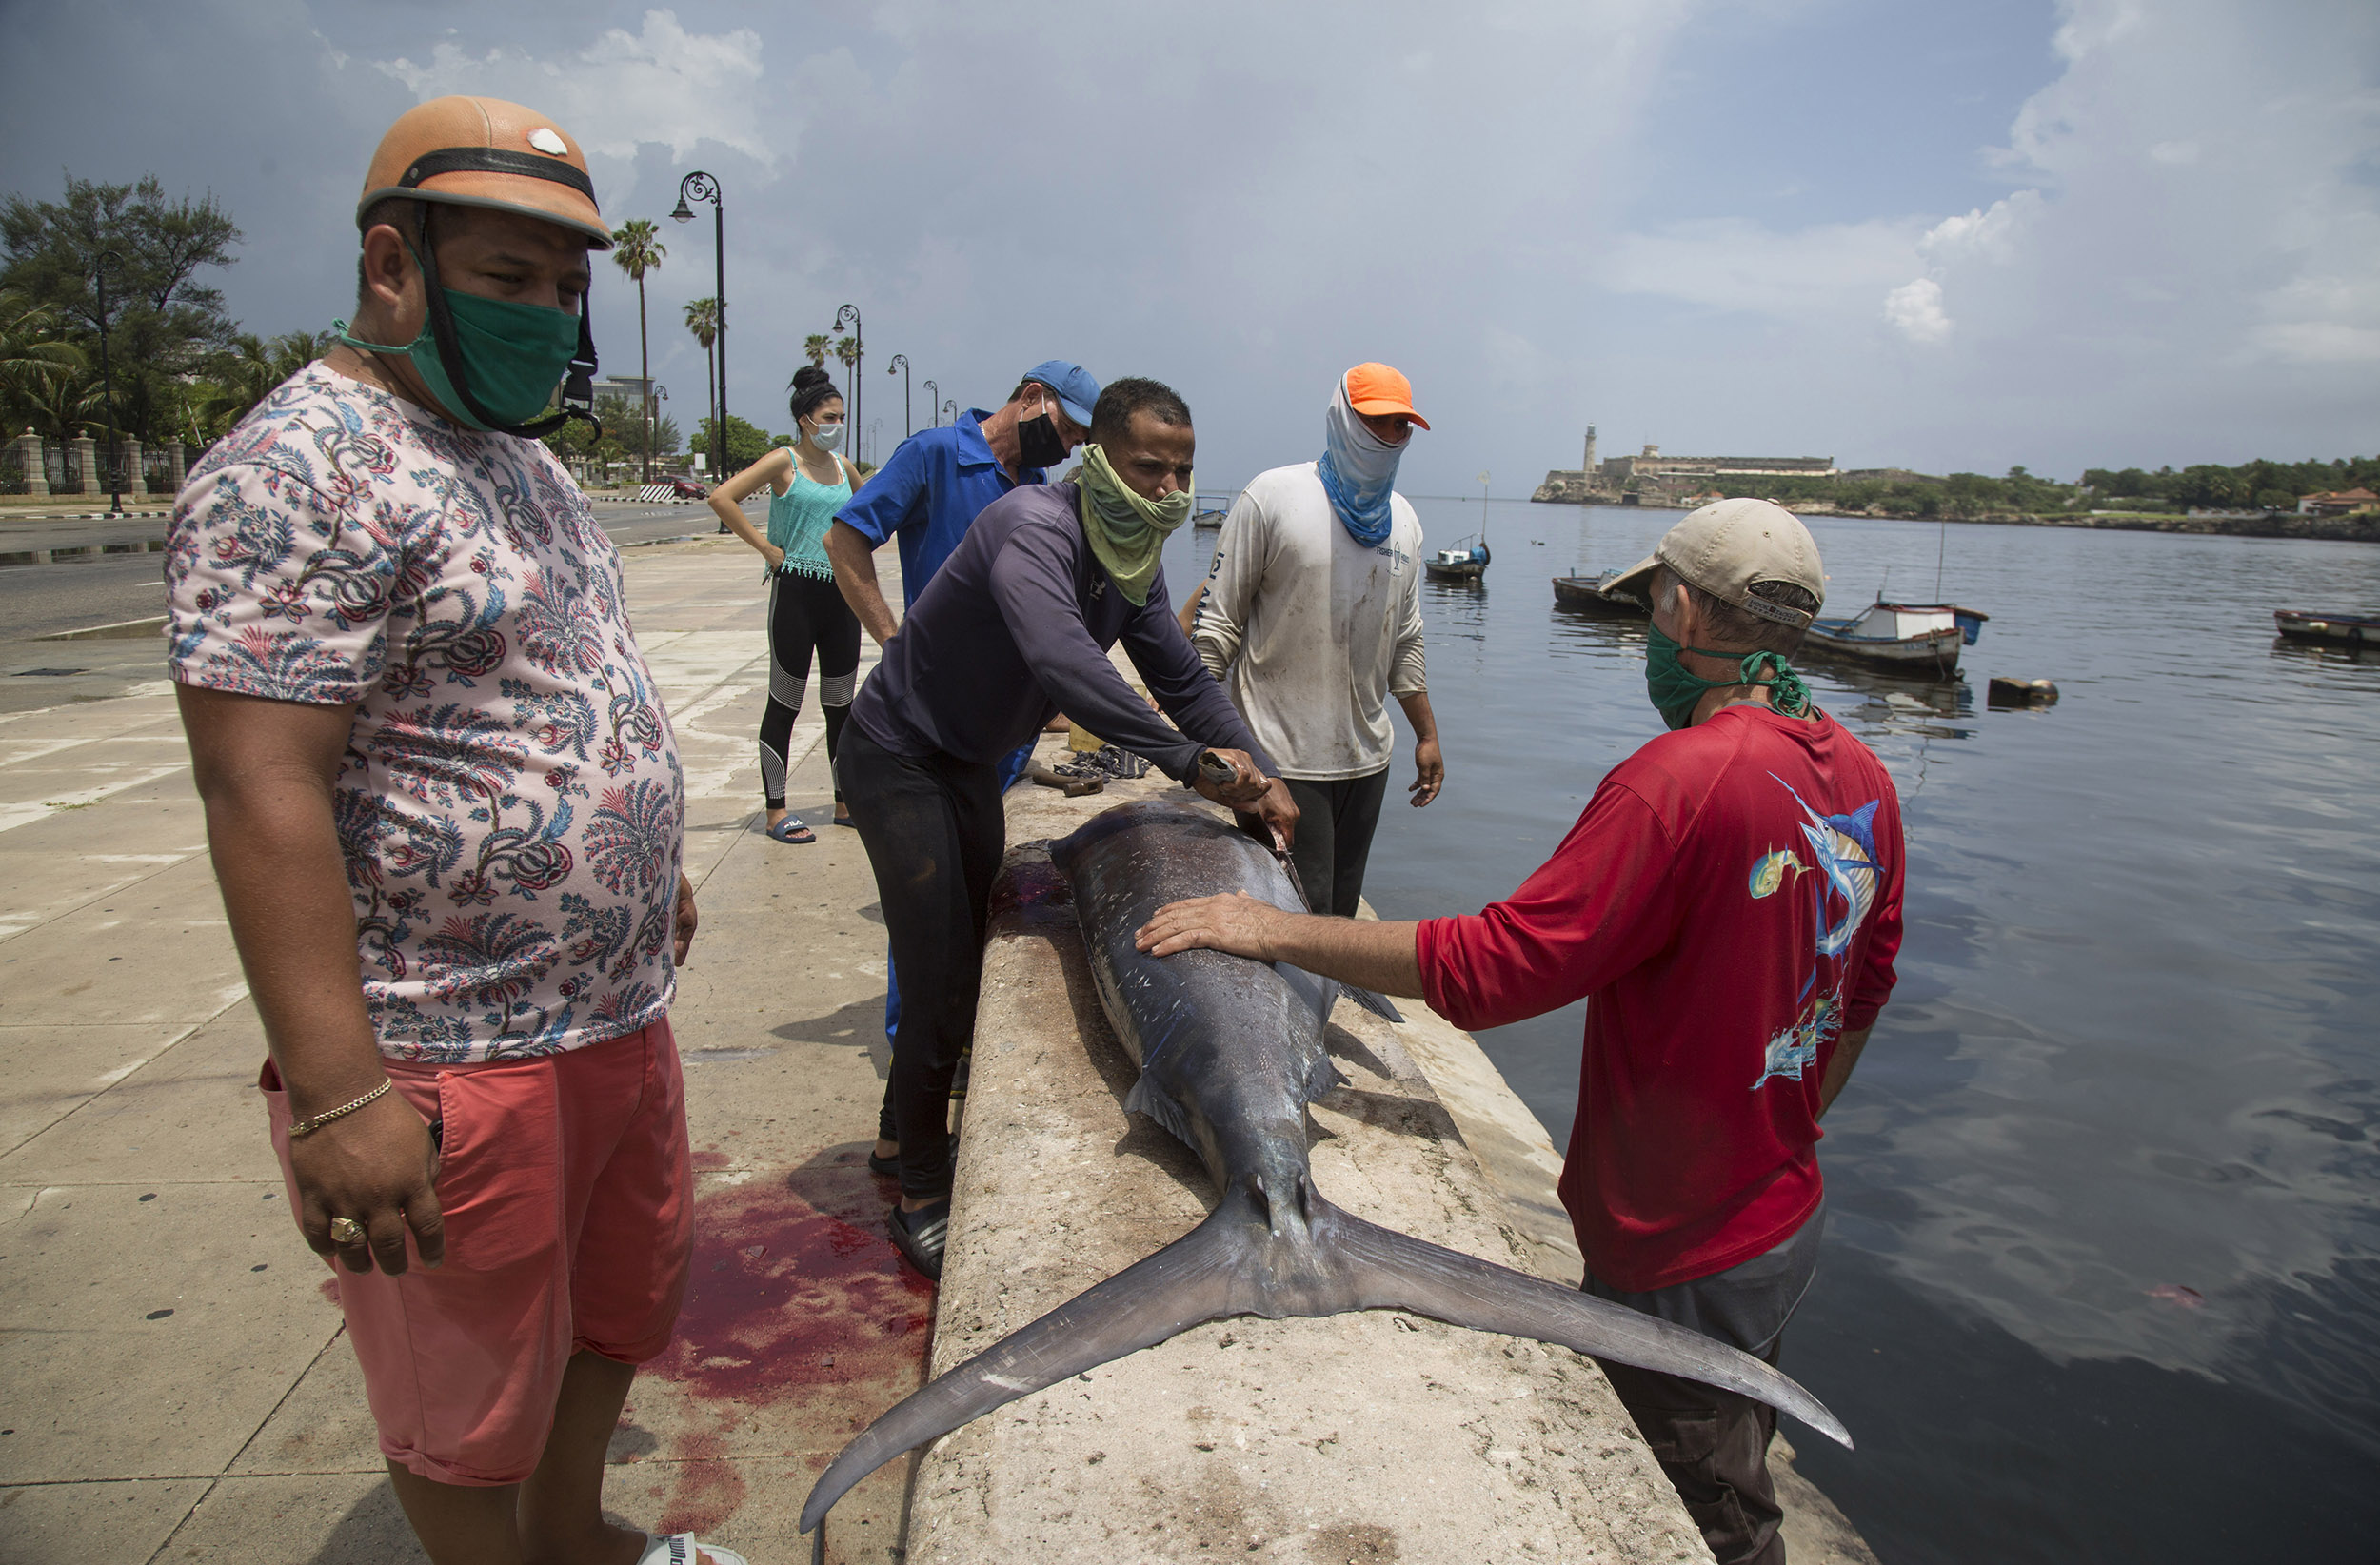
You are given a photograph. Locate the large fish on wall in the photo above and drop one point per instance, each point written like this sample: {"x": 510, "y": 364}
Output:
{"x": 1231, "y": 1052}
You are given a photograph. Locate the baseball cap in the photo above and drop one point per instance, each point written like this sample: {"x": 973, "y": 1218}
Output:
{"x": 485, "y": 152}
{"x": 1726, "y": 547}
{"x": 1078, "y": 393}
{"x": 1374, "y": 389}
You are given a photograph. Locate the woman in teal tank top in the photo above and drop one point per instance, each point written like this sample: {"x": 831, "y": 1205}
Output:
{"x": 807, "y": 483}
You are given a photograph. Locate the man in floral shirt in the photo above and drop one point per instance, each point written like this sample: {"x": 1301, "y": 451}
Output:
{"x": 447, "y": 812}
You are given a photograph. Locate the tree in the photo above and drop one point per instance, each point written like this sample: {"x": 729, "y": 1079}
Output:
{"x": 240, "y": 378}
{"x": 41, "y": 371}
{"x": 702, "y": 318}
{"x": 161, "y": 323}
{"x": 816, "y": 347}
{"x": 636, "y": 249}
{"x": 746, "y": 443}
{"x": 847, "y": 349}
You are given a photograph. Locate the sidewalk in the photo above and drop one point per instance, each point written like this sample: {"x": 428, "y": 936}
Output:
{"x": 176, "y": 1385}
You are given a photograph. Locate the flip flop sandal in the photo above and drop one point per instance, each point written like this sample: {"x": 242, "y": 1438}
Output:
{"x": 791, "y": 830}
{"x": 921, "y": 1234}
{"x": 681, "y": 1549}
{"x": 890, "y": 1167}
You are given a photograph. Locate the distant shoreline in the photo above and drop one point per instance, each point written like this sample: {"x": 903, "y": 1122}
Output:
{"x": 2338, "y": 529}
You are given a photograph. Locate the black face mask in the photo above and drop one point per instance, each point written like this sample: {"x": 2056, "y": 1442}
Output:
{"x": 1038, "y": 444}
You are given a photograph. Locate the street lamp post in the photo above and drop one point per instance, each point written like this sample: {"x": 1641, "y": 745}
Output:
{"x": 932, "y": 409}
{"x": 699, "y": 185}
{"x": 658, "y": 395}
{"x": 874, "y": 425}
{"x": 107, "y": 381}
{"x": 950, "y": 410}
{"x": 900, "y": 362}
{"x": 859, "y": 362}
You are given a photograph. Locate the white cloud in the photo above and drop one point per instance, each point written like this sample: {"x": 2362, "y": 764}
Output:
{"x": 661, "y": 85}
{"x": 1914, "y": 310}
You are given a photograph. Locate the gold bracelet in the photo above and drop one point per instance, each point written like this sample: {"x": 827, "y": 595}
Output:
{"x": 306, "y": 1127}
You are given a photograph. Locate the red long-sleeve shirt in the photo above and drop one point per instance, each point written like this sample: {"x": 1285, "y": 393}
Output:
{"x": 1729, "y": 903}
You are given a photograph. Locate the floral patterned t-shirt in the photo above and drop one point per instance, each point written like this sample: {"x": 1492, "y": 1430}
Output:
{"x": 510, "y": 804}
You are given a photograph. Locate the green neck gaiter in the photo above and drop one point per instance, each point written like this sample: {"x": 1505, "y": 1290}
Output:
{"x": 1127, "y": 533}
{"x": 513, "y": 356}
{"x": 1675, "y": 691}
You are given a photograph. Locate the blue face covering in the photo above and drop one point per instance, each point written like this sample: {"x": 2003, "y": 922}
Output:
{"x": 1359, "y": 471}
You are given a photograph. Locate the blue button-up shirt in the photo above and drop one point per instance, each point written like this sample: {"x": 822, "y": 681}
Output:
{"x": 929, "y": 492}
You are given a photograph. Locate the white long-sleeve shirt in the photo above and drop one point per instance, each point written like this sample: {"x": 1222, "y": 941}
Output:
{"x": 1310, "y": 631}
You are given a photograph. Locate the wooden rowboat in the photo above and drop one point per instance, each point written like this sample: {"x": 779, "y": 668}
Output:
{"x": 1915, "y": 640}
{"x": 1590, "y": 595}
{"x": 2337, "y": 629}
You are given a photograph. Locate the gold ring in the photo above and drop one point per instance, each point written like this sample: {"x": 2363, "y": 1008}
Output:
{"x": 346, "y": 1231}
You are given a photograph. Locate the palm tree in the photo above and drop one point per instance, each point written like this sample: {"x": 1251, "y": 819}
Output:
{"x": 636, "y": 249}
{"x": 847, "y": 349}
{"x": 702, "y": 318}
{"x": 816, "y": 347}
{"x": 40, "y": 372}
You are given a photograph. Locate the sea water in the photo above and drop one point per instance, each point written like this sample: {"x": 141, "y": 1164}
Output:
{"x": 2102, "y": 1268}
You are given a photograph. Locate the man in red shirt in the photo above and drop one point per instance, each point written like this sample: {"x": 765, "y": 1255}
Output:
{"x": 1730, "y": 904}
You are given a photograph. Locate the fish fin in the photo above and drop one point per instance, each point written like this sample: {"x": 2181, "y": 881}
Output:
{"x": 1147, "y": 1098}
{"x": 1390, "y": 1270}
{"x": 1203, "y": 1275}
{"x": 1324, "y": 1078}
{"x": 1374, "y": 1002}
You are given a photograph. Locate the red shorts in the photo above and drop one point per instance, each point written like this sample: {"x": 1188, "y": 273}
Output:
{"x": 570, "y": 1213}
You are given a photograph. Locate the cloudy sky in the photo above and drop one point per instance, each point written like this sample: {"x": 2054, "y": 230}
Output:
{"x": 1897, "y": 232}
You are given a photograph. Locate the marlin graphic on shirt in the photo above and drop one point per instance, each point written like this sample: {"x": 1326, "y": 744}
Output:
{"x": 1843, "y": 857}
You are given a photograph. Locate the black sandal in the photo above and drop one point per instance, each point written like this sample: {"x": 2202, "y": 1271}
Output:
{"x": 920, "y": 1235}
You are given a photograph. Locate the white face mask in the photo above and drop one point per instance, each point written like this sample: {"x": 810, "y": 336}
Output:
{"x": 825, "y": 436}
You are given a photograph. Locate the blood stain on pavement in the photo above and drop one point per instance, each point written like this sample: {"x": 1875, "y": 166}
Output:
{"x": 796, "y": 1294}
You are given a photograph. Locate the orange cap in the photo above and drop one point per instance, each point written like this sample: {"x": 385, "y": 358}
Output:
{"x": 1374, "y": 389}
{"x": 485, "y": 152}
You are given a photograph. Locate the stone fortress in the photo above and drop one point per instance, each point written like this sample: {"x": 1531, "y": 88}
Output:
{"x": 1650, "y": 478}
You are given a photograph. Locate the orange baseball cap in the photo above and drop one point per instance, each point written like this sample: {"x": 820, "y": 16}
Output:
{"x": 485, "y": 152}
{"x": 1374, "y": 389}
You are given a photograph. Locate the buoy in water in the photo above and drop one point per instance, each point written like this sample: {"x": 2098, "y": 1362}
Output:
{"x": 2008, "y": 692}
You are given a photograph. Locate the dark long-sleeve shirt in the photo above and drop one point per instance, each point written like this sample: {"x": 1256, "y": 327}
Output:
{"x": 1014, "y": 628}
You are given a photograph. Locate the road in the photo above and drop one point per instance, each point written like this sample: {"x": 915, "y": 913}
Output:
{"x": 43, "y": 600}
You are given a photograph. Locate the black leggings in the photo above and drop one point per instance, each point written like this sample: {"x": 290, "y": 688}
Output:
{"x": 934, "y": 830}
{"x": 806, "y": 613}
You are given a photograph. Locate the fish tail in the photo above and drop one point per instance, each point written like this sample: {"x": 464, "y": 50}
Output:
{"x": 1200, "y": 1276}
{"x": 1390, "y": 1270}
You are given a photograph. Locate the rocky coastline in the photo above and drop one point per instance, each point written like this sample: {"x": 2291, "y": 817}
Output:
{"x": 1567, "y": 489}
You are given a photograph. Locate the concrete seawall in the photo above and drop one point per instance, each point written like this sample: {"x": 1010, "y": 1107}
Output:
{"x": 1368, "y": 1437}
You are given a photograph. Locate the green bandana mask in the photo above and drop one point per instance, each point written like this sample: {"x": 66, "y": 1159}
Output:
{"x": 1675, "y": 691}
{"x": 513, "y": 356}
{"x": 1127, "y": 533}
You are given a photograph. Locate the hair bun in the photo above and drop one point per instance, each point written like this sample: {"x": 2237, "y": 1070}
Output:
{"x": 809, "y": 375}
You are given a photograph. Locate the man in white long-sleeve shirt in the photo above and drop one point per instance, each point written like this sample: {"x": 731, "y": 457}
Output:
{"x": 1312, "y": 619}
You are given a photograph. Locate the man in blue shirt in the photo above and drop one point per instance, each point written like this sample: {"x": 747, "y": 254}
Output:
{"x": 928, "y": 493}
{"x": 931, "y": 488}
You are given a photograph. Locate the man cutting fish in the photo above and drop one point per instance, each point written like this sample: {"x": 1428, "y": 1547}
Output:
{"x": 1015, "y": 627}
{"x": 1730, "y": 905}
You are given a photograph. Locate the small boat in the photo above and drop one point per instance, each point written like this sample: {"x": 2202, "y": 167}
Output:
{"x": 1457, "y": 564}
{"x": 1210, "y": 509}
{"x": 2338, "y": 629}
{"x": 1915, "y": 638}
{"x": 1593, "y": 595}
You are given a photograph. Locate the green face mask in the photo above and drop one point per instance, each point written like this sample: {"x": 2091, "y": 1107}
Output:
{"x": 1675, "y": 691}
{"x": 513, "y": 356}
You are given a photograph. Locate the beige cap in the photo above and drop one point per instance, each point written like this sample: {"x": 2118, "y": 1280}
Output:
{"x": 1727, "y": 547}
